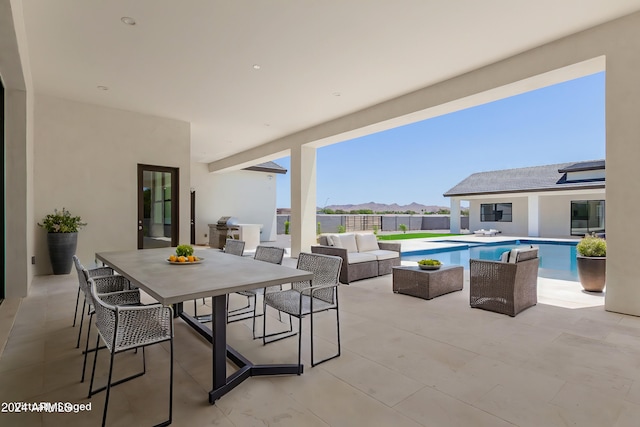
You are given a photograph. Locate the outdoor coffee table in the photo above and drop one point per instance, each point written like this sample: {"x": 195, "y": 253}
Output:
{"x": 427, "y": 284}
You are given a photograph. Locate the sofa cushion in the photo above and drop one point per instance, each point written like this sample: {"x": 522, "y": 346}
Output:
{"x": 358, "y": 257}
{"x": 381, "y": 254}
{"x": 518, "y": 255}
{"x": 367, "y": 242}
{"x": 505, "y": 256}
{"x": 348, "y": 242}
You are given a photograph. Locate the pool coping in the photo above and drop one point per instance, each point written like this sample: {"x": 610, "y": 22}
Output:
{"x": 455, "y": 244}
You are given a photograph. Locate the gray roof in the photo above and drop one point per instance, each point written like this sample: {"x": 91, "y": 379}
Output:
{"x": 536, "y": 178}
{"x": 270, "y": 167}
{"x": 584, "y": 166}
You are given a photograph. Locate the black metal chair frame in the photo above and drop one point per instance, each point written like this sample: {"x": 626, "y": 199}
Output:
{"x": 306, "y": 291}
{"x": 270, "y": 254}
{"x": 113, "y": 350}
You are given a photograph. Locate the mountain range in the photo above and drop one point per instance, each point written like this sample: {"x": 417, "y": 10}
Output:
{"x": 383, "y": 207}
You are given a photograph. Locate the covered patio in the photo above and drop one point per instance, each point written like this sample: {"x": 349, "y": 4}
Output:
{"x": 89, "y": 95}
{"x": 405, "y": 362}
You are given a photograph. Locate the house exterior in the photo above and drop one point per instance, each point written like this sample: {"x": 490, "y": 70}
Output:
{"x": 559, "y": 200}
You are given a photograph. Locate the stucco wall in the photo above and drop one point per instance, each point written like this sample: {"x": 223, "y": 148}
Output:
{"x": 248, "y": 195}
{"x": 520, "y": 216}
{"x": 555, "y": 213}
{"x": 86, "y": 160}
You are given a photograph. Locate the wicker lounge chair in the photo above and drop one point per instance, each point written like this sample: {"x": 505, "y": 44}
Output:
{"x": 505, "y": 287}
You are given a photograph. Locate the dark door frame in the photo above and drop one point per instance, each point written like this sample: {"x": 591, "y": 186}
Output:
{"x": 175, "y": 201}
{"x": 193, "y": 217}
{"x": 2, "y": 195}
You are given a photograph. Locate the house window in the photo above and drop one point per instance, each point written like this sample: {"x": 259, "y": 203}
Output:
{"x": 495, "y": 212}
{"x": 587, "y": 216}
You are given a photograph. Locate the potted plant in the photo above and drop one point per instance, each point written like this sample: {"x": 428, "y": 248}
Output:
{"x": 62, "y": 238}
{"x": 592, "y": 263}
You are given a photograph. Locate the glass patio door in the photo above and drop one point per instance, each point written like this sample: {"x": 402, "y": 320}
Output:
{"x": 157, "y": 207}
{"x": 587, "y": 216}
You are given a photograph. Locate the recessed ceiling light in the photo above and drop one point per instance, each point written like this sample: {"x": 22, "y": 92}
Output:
{"x": 128, "y": 20}
{"x": 103, "y": 88}
{"x": 256, "y": 66}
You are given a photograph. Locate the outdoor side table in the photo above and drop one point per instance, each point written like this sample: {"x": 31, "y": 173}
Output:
{"x": 427, "y": 284}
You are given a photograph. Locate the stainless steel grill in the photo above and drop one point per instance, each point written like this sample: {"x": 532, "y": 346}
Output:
{"x": 226, "y": 227}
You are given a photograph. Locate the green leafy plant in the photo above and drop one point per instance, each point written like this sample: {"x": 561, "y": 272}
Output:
{"x": 342, "y": 229}
{"x": 62, "y": 222}
{"x": 318, "y": 228}
{"x": 403, "y": 228}
{"x": 286, "y": 227}
{"x": 184, "y": 250}
{"x": 375, "y": 230}
{"x": 592, "y": 246}
{"x": 429, "y": 262}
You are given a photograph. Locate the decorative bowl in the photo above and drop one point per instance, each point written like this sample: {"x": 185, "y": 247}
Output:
{"x": 429, "y": 267}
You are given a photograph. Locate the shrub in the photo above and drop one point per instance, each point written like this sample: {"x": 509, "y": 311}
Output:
{"x": 318, "y": 228}
{"x": 286, "y": 227}
{"x": 403, "y": 228}
{"x": 592, "y": 246}
{"x": 375, "y": 230}
{"x": 62, "y": 222}
{"x": 342, "y": 229}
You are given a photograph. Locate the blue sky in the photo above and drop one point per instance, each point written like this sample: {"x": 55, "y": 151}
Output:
{"x": 421, "y": 161}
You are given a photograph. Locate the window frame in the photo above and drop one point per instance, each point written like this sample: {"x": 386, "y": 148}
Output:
{"x": 496, "y": 215}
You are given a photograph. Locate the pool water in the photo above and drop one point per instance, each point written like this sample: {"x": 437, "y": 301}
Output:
{"x": 557, "y": 259}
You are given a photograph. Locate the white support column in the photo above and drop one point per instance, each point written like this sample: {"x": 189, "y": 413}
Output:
{"x": 534, "y": 215}
{"x": 623, "y": 131}
{"x": 303, "y": 199}
{"x": 454, "y": 220}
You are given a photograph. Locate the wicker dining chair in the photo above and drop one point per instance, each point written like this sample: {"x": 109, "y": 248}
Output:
{"x": 125, "y": 328}
{"x": 505, "y": 287}
{"x": 307, "y": 298}
{"x": 98, "y": 271}
{"x": 232, "y": 247}
{"x": 84, "y": 289}
{"x": 269, "y": 254}
{"x": 105, "y": 286}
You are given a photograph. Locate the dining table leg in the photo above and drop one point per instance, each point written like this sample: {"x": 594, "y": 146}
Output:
{"x": 219, "y": 343}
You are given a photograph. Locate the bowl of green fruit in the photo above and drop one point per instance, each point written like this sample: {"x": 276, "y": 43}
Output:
{"x": 429, "y": 264}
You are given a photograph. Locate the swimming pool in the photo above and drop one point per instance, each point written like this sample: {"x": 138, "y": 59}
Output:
{"x": 557, "y": 259}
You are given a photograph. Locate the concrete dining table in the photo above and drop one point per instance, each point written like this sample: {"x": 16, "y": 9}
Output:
{"x": 217, "y": 275}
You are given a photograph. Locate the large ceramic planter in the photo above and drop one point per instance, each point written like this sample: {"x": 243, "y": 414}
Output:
{"x": 62, "y": 247}
{"x": 592, "y": 272}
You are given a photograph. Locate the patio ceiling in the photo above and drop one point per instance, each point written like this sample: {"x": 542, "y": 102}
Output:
{"x": 318, "y": 60}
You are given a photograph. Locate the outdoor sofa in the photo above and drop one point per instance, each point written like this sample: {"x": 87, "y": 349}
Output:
{"x": 363, "y": 256}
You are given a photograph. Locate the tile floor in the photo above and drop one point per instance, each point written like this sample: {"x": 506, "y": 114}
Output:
{"x": 405, "y": 362}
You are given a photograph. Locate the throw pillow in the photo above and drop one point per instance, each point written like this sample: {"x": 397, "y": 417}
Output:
{"x": 367, "y": 242}
{"x": 348, "y": 242}
{"x": 334, "y": 240}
